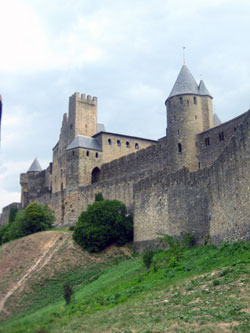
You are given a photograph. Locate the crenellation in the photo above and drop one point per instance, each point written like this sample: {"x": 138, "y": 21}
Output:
{"x": 195, "y": 179}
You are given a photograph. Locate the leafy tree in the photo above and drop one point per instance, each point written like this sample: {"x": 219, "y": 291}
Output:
{"x": 33, "y": 218}
{"x": 104, "y": 223}
{"x": 12, "y": 214}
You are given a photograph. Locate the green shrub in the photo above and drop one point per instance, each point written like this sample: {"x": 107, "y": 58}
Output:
{"x": 12, "y": 214}
{"x": 148, "y": 257}
{"x": 99, "y": 197}
{"x": 104, "y": 223}
{"x": 33, "y": 218}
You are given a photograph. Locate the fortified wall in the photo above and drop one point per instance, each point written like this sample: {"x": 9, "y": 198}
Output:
{"x": 196, "y": 179}
{"x": 211, "y": 202}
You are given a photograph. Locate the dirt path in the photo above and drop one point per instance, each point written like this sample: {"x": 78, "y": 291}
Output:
{"x": 49, "y": 250}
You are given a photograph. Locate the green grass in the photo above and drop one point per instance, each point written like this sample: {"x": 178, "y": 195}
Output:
{"x": 180, "y": 296}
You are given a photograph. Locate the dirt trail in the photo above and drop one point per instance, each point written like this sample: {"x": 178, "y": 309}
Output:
{"x": 49, "y": 250}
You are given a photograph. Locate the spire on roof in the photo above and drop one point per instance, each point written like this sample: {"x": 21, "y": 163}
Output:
{"x": 203, "y": 89}
{"x": 35, "y": 166}
{"x": 185, "y": 83}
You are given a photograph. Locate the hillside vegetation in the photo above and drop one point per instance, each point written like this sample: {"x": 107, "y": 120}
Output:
{"x": 205, "y": 290}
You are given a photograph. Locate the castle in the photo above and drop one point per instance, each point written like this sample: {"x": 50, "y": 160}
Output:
{"x": 195, "y": 179}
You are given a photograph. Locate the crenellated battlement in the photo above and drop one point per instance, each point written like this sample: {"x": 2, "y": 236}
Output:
{"x": 84, "y": 98}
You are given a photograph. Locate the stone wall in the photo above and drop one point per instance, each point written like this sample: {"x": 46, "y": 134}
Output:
{"x": 212, "y": 142}
{"x": 214, "y": 201}
{"x": 4, "y": 217}
{"x": 151, "y": 158}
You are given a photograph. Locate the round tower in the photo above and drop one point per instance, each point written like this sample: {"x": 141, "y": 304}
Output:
{"x": 189, "y": 112}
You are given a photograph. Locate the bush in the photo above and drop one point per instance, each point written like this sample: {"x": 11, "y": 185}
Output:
{"x": 99, "y": 197}
{"x": 148, "y": 257}
{"x": 68, "y": 292}
{"x": 104, "y": 223}
{"x": 33, "y": 218}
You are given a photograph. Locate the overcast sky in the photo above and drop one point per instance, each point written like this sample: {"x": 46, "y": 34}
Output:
{"x": 127, "y": 53}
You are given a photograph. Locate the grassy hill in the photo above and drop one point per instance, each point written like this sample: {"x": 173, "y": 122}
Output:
{"x": 207, "y": 290}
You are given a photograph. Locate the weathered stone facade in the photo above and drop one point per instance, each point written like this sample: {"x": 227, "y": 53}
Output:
{"x": 196, "y": 179}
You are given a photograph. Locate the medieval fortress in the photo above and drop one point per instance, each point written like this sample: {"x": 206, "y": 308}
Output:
{"x": 195, "y": 179}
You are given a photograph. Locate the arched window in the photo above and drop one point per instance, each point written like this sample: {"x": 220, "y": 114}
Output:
{"x": 118, "y": 142}
{"x": 96, "y": 155}
{"x": 127, "y": 144}
{"x": 87, "y": 153}
{"x": 109, "y": 141}
{"x": 195, "y": 100}
{"x": 95, "y": 175}
{"x": 181, "y": 100}
{"x": 136, "y": 145}
{"x": 179, "y": 148}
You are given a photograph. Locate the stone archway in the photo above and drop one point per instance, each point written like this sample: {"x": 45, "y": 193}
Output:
{"x": 95, "y": 175}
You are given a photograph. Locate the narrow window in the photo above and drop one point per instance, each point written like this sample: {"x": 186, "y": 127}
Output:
{"x": 207, "y": 142}
{"x": 61, "y": 173}
{"x": 96, "y": 155}
{"x": 221, "y": 136}
{"x": 195, "y": 117}
{"x": 127, "y": 144}
{"x": 118, "y": 142}
{"x": 109, "y": 141}
{"x": 187, "y": 102}
{"x": 178, "y": 132}
{"x": 71, "y": 126}
{"x": 181, "y": 100}
{"x": 136, "y": 146}
{"x": 87, "y": 153}
{"x": 235, "y": 129}
{"x": 195, "y": 100}
{"x": 199, "y": 165}
{"x": 73, "y": 153}
{"x": 179, "y": 148}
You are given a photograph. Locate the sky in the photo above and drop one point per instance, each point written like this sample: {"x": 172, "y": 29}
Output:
{"x": 127, "y": 53}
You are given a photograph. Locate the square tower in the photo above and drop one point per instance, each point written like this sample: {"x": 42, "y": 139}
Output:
{"x": 82, "y": 116}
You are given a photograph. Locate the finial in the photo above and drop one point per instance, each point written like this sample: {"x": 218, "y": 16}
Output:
{"x": 184, "y": 60}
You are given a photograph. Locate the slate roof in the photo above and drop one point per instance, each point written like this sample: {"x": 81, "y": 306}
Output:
{"x": 35, "y": 166}
{"x": 186, "y": 84}
{"x": 217, "y": 120}
{"x": 82, "y": 141}
{"x": 203, "y": 89}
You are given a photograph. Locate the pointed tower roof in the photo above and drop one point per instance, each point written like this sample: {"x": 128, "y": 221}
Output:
{"x": 203, "y": 89}
{"x": 185, "y": 83}
{"x": 35, "y": 166}
{"x": 217, "y": 120}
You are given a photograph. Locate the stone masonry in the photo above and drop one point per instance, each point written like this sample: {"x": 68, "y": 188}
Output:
{"x": 195, "y": 179}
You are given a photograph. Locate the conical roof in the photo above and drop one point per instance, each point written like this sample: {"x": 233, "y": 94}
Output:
{"x": 203, "y": 89}
{"x": 185, "y": 83}
{"x": 217, "y": 120}
{"x": 35, "y": 166}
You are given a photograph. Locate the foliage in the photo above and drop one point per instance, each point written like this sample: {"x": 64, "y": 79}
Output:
{"x": 99, "y": 197}
{"x": 176, "y": 245}
{"x": 148, "y": 257}
{"x": 68, "y": 292}
{"x": 33, "y": 218}
{"x": 104, "y": 223}
{"x": 12, "y": 214}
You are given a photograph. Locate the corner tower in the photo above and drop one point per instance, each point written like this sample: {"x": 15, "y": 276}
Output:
{"x": 189, "y": 112}
{"x": 82, "y": 116}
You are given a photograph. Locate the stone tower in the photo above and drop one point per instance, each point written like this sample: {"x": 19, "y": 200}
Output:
{"x": 82, "y": 116}
{"x": 189, "y": 112}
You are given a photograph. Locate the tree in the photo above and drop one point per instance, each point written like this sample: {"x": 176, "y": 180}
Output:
{"x": 104, "y": 223}
{"x": 12, "y": 214}
{"x": 33, "y": 218}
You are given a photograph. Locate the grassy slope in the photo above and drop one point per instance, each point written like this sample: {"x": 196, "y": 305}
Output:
{"x": 207, "y": 291}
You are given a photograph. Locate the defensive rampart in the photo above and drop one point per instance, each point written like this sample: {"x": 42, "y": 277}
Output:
{"x": 211, "y": 202}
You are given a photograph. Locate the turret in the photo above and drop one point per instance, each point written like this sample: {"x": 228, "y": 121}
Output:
{"x": 189, "y": 112}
